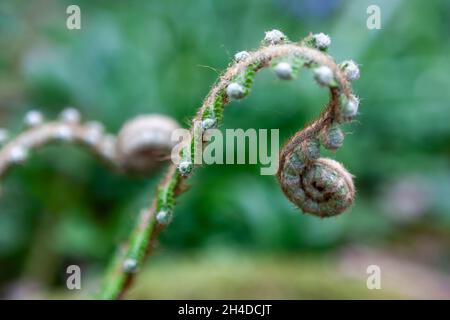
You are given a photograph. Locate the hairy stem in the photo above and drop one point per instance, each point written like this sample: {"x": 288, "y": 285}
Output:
{"x": 16, "y": 151}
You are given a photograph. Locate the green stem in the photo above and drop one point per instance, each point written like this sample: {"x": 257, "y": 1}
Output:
{"x": 114, "y": 281}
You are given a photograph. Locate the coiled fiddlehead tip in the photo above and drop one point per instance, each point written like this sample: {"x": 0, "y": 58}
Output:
{"x": 316, "y": 185}
{"x": 144, "y": 142}
{"x": 322, "y": 187}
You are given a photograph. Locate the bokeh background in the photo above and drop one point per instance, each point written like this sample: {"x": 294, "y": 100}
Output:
{"x": 234, "y": 234}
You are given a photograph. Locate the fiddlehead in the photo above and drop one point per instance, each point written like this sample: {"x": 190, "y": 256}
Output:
{"x": 142, "y": 144}
{"x": 316, "y": 185}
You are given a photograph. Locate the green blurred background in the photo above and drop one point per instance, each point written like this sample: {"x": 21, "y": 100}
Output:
{"x": 234, "y": 234}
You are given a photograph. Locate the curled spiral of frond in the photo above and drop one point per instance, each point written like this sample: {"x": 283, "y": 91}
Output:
{"x": 320, "y": 186}
{"x": 330, "y": 190}
{"x": 316, "y": 185}
{"x": 144, "y": 143}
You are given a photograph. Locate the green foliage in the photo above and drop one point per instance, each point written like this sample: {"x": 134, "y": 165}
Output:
{"x": 147, "y": 56}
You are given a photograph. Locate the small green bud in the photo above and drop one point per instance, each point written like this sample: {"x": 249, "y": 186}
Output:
{"x": 208, "y": 123}
{"x": 18, "y": 154}
{"x": 185, "y": 168}
{"x": 321, "y": 41}
{"x": 350, "y": 69}
{"x": 130, "y": 265}
{"x": 274, "y": 37}
{"x": 350, "y": 106}
{"x": 164, "y": 217}
{"x": 70, "y": 115}
{"x": 324, "y": 76}
{"x": 235, "y": 91}
{"x": 283, "y": 70}
{"x": 33, "y": 118}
